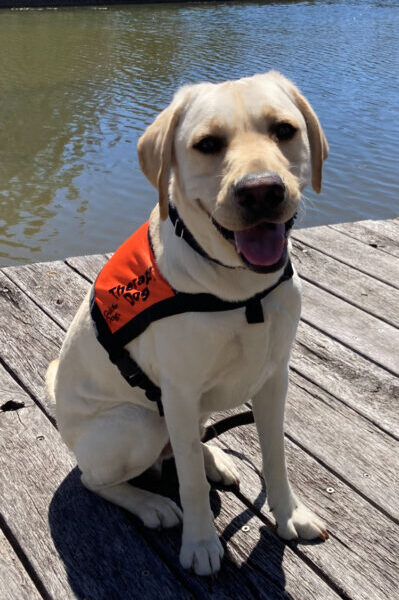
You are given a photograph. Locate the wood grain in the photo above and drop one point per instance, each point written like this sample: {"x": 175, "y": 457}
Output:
{"x": 357, "y": 558}
{"x": 30, "y": 339}
{"x": 341, "y": 426}
{"x": 361, "y": 290}
{"x": 78, "y": 545}
{"x": 362, "y": 385}
{"x": 351, "y": 252}
{"x": 360, "y": 331}
{"x": 14, "y": 580}
{"x": 344, "y": 373}
{"x": 54, "y": 286}
{"x": 88, "y": 266}
{"x": 257, "y": 563}
{"x": 90, "y": 548}
{"x": 347, "y": 443}
{"x": 380, "y": 234}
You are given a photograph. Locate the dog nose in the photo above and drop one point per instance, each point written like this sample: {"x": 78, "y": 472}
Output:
{"x": 259, "y": 192}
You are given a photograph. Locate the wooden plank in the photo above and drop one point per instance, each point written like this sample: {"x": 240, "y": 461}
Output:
{"x": 88, "y": 266}
{"x": 351, "y": 252}
{"x": 257, "y": 564}
{"x": 362, "y": 385}
{"x": 383, "y": 235}
{"x": 299, "y": 566}
{"x": 363, "y": 291}
{"x": 313, "y": 365}
{"x": 79, "y": 545}
{"x": 241, "y": 445}
{"x": 344, "y": 441}
{"x": 357, "y": 558}
{"x": 364, "y": 333}
{"x": 14, "y": 580}
{"x": 25, "y": 375}
{"x": 54, "y": 286}
{"x": 30, "y": 339}
{"x": 41, "y": 354}
{"x": 47, "y": 284}
{"x": 82, "y": 529}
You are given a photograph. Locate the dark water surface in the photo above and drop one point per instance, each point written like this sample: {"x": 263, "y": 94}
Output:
{"x": 78, "y": 87}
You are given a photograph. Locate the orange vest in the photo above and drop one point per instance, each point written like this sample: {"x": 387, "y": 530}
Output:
{"x": 130, "y": 293}
{"x": 130, "y": 282}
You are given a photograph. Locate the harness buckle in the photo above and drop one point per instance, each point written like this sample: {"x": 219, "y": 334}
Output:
{"x": 254, "y": 311}
{"x": 179, "y": 229}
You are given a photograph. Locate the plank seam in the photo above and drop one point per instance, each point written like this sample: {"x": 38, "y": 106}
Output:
{"x": 85, "y": 277}
{"x": 342, "y": 479}
{"x": 32, "y": 299}
{"x": 300, "y": 373}
{"x": 155, "y": 549}
{"x": 141, "y": 529}
{"x": 349, "y": 406}
{"x": 158, "y": 549}
{"x": 350, "y": 235}
{"x": 390, "y": 283}
{"x": 308, "y": 561}
{"x": 337, "y": 475}
{"x": 27, "y": 391}
{"x": 23, "y": 558}
{"x": 173, "y": 569}
{"x": 328, "y": 334}
{"x": 347, "y": 300}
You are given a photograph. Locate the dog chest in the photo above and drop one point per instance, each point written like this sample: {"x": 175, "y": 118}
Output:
{"x": 214, "y": 353}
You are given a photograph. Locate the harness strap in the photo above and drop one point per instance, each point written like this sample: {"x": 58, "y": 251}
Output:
{"x": 136, "y": 377}
{"x": 180, "y": 302}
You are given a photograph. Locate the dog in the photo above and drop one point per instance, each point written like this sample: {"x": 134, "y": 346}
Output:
{"x": 231, "y": 160}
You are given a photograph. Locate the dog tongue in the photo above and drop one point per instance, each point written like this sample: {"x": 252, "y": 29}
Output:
{"x": 263, "y": 244}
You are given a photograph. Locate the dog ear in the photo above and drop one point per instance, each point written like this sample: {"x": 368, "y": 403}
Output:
{"x": 155, "y": 151}
{"x": 317, "y": 140}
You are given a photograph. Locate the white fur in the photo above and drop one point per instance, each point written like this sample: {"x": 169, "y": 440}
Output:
{"x": 203, "y": 362}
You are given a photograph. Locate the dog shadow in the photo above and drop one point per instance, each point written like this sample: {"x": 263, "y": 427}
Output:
{"x": 109, "y": 555}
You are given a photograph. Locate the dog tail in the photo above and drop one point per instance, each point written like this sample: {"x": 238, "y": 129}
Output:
{"x": 50, "y": 378}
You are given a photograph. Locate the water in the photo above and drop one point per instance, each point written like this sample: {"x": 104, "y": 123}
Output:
{"x": 78, "y": 87}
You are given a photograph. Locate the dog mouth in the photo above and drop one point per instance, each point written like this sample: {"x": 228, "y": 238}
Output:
{"x": 262, "y": 247}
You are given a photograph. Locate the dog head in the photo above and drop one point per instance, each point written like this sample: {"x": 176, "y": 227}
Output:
{"x": 241, "y": 153}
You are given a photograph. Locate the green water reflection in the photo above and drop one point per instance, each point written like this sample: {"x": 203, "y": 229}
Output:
{"x": 78, "y": 86}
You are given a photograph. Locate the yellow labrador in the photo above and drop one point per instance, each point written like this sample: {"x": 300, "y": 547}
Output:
{"x": 233, "y": 159}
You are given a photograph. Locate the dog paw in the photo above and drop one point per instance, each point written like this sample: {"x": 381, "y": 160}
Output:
{"x": 203, "y": 556}
{"x": 219, "y": 466}
{"x": 299, "y": 522}
{"x": 157, "y": 511}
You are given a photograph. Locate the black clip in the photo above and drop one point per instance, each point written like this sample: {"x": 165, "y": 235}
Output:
{"x": 254, "y": 311}
{"x": 179, "y": 228}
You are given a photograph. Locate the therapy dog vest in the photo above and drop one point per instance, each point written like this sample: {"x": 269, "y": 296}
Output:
{"x": 130, "y": 293}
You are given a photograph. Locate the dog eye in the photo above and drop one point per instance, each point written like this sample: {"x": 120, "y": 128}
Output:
{"x": 284, "y": 131}
{"x": 209, "y": 145}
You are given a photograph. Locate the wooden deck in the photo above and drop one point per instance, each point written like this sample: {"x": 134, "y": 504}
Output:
{"x": 59, "y": 541}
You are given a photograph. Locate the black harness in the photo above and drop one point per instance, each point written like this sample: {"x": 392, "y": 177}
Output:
{"x": 180, "y": 303}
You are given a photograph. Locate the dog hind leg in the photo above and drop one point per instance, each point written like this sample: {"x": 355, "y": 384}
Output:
{"x": 117, "y": 446}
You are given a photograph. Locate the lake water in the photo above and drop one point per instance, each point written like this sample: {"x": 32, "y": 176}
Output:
{"x": 78, "y": 87}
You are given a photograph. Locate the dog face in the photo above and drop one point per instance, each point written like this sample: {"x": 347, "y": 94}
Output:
{"x": 241, "y": 152}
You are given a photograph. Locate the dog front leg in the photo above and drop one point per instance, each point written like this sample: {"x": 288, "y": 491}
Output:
{"x": 292, "y": 517}
{"x": 201, "y": 548}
